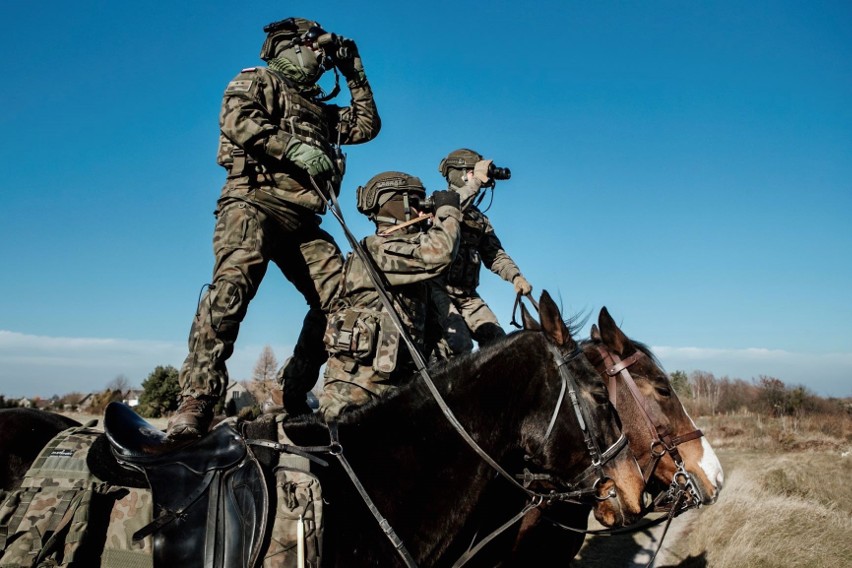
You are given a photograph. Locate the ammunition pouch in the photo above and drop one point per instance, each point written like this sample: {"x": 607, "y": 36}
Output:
{"x": 353, "y": 332}
{"x": 464, "y": 271}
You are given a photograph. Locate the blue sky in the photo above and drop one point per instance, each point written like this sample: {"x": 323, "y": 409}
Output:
{"x": 688, "y": 165}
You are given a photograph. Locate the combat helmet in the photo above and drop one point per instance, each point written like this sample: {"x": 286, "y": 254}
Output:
{"x": 456, "y": 163}
{"x": 391, "y": 193}
{"x": 290, "y": 39}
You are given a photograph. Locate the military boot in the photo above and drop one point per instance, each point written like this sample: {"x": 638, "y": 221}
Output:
{"x": 192, "y": 418}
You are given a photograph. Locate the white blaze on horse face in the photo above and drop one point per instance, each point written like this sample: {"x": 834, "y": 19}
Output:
{"x": 709, "y": 463}
{"x": 712, "y": 466}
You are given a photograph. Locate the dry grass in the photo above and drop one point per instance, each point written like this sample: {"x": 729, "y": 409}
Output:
{"x": 779, "y": 511}
{"x": 787, "y": 500}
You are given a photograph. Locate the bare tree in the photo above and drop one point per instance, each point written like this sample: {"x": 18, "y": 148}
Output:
{"x": 120, "y": 383}
{"x": 266, "y": 366}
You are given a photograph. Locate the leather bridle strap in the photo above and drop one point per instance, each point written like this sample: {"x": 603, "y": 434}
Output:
{"x": 337, "y": 451}
{"x": 619, "y": 367}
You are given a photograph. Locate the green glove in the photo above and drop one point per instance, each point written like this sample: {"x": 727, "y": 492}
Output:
{"x": 309, "y": 158}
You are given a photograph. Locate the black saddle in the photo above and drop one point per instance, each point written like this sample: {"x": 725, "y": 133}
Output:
{"x": 210, "y": 496}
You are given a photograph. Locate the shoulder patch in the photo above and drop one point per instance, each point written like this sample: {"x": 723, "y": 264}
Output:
{"x": 249, "y": 70}
{"x": 239, "y": 86}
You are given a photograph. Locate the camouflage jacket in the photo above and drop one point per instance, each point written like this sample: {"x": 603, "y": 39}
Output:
{"x": 262, "y": 112}
{"x": 478, "y": 245}
{"x": 406, "y": 261}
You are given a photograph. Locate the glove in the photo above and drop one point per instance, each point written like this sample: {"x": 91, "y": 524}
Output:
{"x": 347, "y": 59}
{"x": 450, "y": 198}
{"x": 309, "y": 158}
{"x": 480, "y": 170}
{"x": 521, "y": 285}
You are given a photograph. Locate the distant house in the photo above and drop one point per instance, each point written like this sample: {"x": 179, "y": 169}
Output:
{"x": 237, "y": 397}
{"x": 86, "y": 402}
{"x": 131, "y": 397}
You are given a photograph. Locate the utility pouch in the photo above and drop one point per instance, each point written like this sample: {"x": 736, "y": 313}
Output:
{"x": 388, "y": 346}
{"x": 295, "y": 539}
{"x": 352, "y": 331}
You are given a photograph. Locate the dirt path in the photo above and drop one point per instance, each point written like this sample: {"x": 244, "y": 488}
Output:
{"x": 636, "y": 549}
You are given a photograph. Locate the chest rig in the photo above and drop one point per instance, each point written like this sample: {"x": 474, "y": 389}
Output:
{"x": 464, "y": 270}
{"x": 300, "y": 117}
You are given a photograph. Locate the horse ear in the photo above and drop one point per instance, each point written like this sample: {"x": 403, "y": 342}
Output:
{"x": 611, "y": 334}
{"x": 527, "y": 319}
{"x": 595, "y": 333}
{"x": 551, "y": 322}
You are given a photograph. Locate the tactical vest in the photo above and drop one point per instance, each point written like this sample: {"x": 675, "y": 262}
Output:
{"x": 360, "y": 328}
{"x": 303, "y": 119}
{"x": 464, "y": 270}
{"x": 46, "y": 522}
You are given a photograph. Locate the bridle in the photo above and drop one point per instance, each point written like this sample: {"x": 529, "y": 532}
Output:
{"x": 598, "y": 458}
{"x": 574, "y": 492}
{"x": 663, "y": 441}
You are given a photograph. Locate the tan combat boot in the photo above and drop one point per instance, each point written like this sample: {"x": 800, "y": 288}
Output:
{"x": 192, "y": 418}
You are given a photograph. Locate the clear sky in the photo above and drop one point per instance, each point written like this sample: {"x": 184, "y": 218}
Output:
{"x": 688, "y": 165}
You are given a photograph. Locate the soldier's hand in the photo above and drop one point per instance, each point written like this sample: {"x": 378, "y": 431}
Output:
{"x": 480, "y": 170}
{"x": 313, "y": 160}
{"x": 450, "y": 198}
{"x": 521, "y": 285}
{"x": 348, "y": 60}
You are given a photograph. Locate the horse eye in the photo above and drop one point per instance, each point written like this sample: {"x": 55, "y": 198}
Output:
{"x": 600, "y": 396}
{"x": 663, "y": 391}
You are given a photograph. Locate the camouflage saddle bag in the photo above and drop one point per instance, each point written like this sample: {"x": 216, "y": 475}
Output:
{"x": 63, "y": 515}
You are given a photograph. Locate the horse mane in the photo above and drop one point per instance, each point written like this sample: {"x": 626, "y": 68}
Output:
{"x": 442, "y": 373}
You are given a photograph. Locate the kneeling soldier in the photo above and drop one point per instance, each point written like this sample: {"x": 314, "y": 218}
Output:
{"x": 366, "y": 359}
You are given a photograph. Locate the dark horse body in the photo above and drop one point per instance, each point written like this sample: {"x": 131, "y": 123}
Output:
{"x": 426, "y": 480}
{"x": 23, "y": 433}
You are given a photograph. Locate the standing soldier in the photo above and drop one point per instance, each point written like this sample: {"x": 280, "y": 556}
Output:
{"x": 366, "y": 357}
{"x": 457, "y": 309}
{"x": 278, "y": 139}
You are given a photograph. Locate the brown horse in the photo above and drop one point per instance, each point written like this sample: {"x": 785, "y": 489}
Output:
{"x": 676, "y": 459}
{"x": 534, "y": 406}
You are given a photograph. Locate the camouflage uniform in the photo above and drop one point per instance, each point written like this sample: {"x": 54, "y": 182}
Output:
{"x": 268, "y": 211}
{"x": 456, "y": 309}
{"x": 366, "y": 359}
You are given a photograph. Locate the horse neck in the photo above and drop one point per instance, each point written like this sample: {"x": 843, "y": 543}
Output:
{"x": 426, "y": 479}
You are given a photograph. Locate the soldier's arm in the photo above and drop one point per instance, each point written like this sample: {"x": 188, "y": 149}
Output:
{"x": 359, "y": 122}
{"x": 245, "y": 119}
{"x": 404, "y": 261}
{"x": 494, "y": 256}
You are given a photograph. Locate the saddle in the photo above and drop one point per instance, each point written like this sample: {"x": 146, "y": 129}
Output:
{"x": 210, "y": 495}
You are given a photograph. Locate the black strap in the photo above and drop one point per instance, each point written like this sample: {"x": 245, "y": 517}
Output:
{"x": 383, "y": 522}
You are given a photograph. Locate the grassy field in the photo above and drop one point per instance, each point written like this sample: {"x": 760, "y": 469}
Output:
{"x": 787, "y": 502}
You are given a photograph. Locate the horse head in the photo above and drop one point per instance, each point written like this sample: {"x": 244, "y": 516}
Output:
{"x": 663, "y": 438}
{"x": 613, "y": 473}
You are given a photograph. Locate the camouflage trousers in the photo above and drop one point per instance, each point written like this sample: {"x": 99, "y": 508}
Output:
{"x": 457, "y": 319}
{"x": 245, "y": 240}
{"x": 348, "y": 384}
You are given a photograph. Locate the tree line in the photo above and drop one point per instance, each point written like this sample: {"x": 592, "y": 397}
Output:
{"x": 701, "y": 392}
